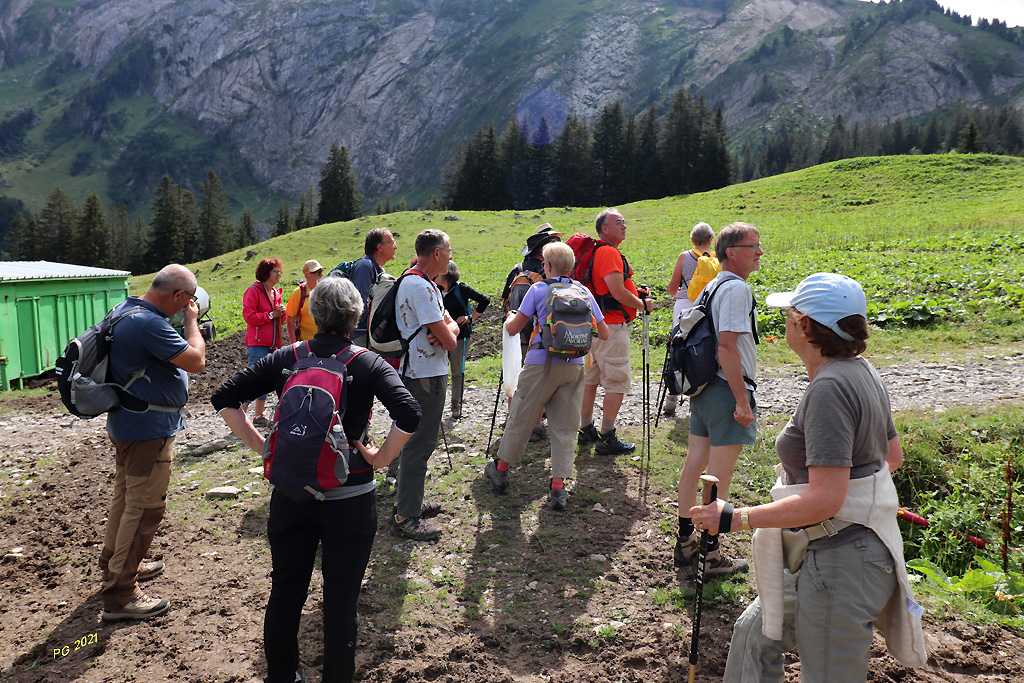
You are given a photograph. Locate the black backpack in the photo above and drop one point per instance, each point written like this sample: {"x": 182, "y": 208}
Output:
{"x": 693, "y": 347}
{"x": 83, "y": 372}
{"x": 382, "y": 323}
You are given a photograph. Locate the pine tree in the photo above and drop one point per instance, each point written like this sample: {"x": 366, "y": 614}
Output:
{"x": 57, "y": 225}
{"x": 574, "y": 169}
{"x": 836, "y": 145}
{"x": 127, "y": 240}
{"x": 718, "y": 164}
{"x": 166, "y": 227}
{"x": 192, "y": 241}
{"x": 629, "y": 165}
{"x": 957, "y": 122}
{"x": 91, "y": 247}
{"x": 609, "y": 147}
{"x": 403, "y": 205}
{"x": 245, "y": 236}
{"x": 970, "y": 142}
{"x": 339, "y": 198}
{"x": 651, "y": 171}
{"x": 305, "y": 216}
{"x": 215, "y": 227}
{"x": 679, "y": 148}
{"x": 514, "y": 153}
{"x": 21, "y": 240}
{"x": 931, "y": 140}
{"x": 283, "y": 225}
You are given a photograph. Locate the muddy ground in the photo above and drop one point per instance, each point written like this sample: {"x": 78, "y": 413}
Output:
{"x": 511, "y": 592}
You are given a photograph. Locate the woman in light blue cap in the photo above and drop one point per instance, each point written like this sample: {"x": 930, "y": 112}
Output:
{"x": 828, "y": 556}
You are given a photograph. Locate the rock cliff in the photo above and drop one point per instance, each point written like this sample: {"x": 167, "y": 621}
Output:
{"x": 401, "y": 83}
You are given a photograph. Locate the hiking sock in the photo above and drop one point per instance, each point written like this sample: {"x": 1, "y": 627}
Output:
{"x": 712, "y": 543}
{"x": 685, "y": 527}
{"x": 607, "y": 426}
{"x": 556, "y": 485}
{"x": 586, "y": 419}
{"x": 502, "y": 465}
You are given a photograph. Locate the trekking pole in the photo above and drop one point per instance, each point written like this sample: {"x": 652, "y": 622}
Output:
{"x": 647, "y": 384}
{"x": 646, "y": 465}
{"x": 662, "y": 387}
{"x": 447, "y": 452}
{"x": 708, "y": 494}
{"x": 494, "y": 415}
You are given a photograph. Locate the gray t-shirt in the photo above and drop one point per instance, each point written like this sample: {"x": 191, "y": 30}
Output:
{"x": 843, "y": 420}
{"x": 420, "y": 303}
{"x": 730, "y": 311}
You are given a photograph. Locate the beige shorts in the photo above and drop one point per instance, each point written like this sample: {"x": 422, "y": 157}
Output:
{"x": 608, "y": 361}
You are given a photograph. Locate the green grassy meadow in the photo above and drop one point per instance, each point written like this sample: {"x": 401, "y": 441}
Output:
{"x": 933, "y": 240}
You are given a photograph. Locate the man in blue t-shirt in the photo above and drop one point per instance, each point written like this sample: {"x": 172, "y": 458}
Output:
{"x": 146, "y": 351}
{"x": 380, "y": 247}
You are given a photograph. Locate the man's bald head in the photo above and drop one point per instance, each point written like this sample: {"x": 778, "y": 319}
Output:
{"x": 173, "y": 278}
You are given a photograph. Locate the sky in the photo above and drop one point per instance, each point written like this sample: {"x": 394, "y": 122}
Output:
{"x": 1010, "y": 11}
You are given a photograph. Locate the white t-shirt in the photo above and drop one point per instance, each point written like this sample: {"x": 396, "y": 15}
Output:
{"x": 420, "y": 303}
{"x": 730, "y": 310}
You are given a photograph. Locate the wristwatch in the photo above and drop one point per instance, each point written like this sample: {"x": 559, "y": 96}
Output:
{"x": 745, "y": 519}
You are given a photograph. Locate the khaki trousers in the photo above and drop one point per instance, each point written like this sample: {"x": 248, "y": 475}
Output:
{"x": 142, "y": 473}
{"x": 558, "y": 389}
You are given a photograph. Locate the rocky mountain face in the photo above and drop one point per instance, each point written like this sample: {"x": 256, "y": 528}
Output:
{"x": 401, "y": 83}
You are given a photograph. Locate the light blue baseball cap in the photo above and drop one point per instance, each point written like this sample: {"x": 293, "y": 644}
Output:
{"x": 826, "y": 298}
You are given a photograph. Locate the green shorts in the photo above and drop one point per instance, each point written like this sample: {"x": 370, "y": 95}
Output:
{"x": 711, "y": 416}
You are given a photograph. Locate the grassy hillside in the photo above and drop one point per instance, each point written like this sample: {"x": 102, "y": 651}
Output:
{"x": 139, "y": 142}
{"x": 932, "y": 239}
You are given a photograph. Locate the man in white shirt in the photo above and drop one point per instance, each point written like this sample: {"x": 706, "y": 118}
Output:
{"x": 421, "y": 315}
{"x": 723, "y": 417}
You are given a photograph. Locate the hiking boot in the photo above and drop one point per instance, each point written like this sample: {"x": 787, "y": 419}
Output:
{"x": 300, "y": 677}
{"x": 428, "y": 510}
{"x": 718, "y": 564}
{"x": 557, "y": 498}
{"x": 414, "y": 529}
{"x": 498, "y": 478}
{"x": 587, "y": 435}
{"x": 456, "y": 411}
{"x": 685, "y": 552}
{"x": 669, "y": 409}
{"x": 260, "y": 421}
{"x": 609, "y": 444}
{"x": 150, "y": 570}
{"x": 141, "y": 607}
{"x": 539, "y": 433}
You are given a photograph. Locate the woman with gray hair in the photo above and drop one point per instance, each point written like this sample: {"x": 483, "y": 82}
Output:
{"x": 344, "y": 523}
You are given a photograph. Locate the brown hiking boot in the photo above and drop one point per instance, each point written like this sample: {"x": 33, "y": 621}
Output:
{"x": 142, "y": 607}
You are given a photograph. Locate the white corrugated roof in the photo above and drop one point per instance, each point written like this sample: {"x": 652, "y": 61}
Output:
{"x": 35, "y": 270}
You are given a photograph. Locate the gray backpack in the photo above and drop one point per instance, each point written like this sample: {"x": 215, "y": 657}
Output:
{"x": 568, "y": 324}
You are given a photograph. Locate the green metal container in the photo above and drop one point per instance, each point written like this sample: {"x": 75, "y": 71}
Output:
{"x": 44, "y": 305}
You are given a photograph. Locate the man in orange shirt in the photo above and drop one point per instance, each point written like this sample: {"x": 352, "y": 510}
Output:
{"x": 608, "y": 363}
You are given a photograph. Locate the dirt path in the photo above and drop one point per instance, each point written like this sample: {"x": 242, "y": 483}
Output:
{"x": 512, "y": 591}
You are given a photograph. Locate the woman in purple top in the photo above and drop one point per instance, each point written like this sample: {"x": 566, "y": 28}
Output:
{"x": 547, "y": 383}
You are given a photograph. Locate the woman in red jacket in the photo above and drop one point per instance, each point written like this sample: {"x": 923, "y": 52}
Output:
{"x": 263, "y": 312}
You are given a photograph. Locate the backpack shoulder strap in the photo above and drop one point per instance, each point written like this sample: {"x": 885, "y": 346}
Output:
{"x": 349, "y": 353}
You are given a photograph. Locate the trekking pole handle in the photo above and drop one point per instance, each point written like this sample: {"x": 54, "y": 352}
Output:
{"x": 710, "y": 490}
